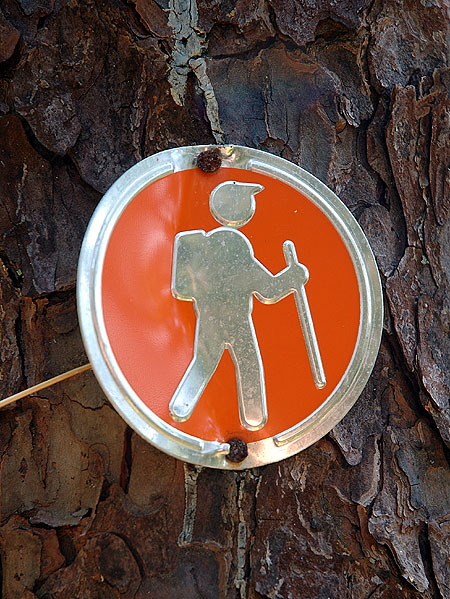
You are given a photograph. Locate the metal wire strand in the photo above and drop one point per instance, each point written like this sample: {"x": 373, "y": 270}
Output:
{"x": 48, "y": 383}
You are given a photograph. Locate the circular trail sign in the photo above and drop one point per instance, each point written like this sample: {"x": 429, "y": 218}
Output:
{"x": 241, "y": 306}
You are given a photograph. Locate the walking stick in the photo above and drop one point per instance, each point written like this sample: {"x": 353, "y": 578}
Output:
{"x": 304, "y": 314}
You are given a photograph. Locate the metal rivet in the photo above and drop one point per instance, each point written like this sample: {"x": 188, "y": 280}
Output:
{"x": 209, "y": 161}
{"x": 238, "y": 450}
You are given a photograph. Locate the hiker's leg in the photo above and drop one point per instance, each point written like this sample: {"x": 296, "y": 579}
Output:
{"x": 249, "y": 378}
{"x": 207, "y": 353}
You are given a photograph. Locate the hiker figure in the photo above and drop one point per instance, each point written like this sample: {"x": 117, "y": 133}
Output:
{"x": 218, "y": 271}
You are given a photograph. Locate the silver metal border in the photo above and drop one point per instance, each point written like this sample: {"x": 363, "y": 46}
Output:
{"x": 118, "y": 390}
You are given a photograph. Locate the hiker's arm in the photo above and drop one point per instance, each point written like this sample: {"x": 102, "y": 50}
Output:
{"x": 271, "y": 288}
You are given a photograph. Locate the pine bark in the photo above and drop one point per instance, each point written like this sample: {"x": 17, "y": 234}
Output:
{"x": 356, "y": 92}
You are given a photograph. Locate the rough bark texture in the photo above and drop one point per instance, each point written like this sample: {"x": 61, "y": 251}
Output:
{"x": 355, "y": 91}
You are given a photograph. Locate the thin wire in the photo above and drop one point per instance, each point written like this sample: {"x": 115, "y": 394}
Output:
{"x": 48, "y": 383}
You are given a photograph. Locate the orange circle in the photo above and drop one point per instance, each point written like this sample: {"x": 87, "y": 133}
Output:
{"x": 152, "y": 334}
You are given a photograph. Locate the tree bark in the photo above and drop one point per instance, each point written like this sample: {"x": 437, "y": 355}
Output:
{"x": 356, "y": 92}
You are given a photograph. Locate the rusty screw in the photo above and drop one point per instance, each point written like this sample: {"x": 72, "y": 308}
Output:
{"x": 238, "y": 450}
{"x": 209, "y": 161}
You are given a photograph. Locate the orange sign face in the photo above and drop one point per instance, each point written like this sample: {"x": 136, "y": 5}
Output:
{"x": 204, "y": 323}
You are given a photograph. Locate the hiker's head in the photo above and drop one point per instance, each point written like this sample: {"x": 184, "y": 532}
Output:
{"x": 232, "y": 203}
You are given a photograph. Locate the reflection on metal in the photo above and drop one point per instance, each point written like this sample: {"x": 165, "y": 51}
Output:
{"x": 220, "y": 274}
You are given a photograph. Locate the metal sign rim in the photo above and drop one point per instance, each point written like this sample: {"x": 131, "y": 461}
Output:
{"x": 119, "y": 391}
